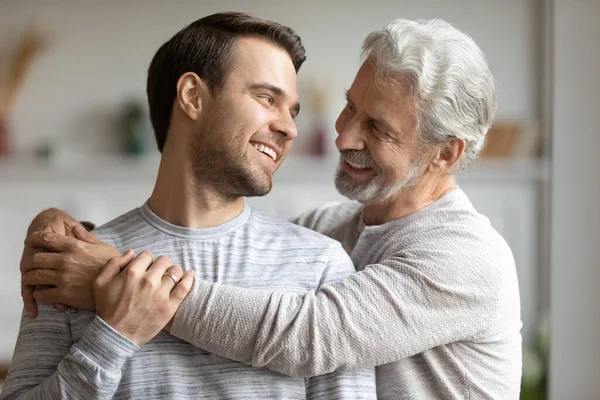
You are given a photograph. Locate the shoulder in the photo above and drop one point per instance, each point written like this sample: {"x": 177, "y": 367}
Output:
{"x": 460, "y": 258}
{"x": 297, "y": 245}
{"x": 452, "y": 225}
{"x": 123, "y": 229}
{"x": 266, "y": 224}
{"x": 329, "y": 216}
{"x": 455, "y": 244}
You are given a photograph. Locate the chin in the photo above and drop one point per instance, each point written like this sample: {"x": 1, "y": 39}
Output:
{"x": 256, "y": 187}
{"x": 258, "y": 193}
{"x": 365, "y": 193}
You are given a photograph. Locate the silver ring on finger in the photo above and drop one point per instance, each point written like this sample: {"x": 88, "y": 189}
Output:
{"x": 175, "y": 280}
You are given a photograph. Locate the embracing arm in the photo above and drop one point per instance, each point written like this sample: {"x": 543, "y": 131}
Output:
{"x": 410, "y": 302}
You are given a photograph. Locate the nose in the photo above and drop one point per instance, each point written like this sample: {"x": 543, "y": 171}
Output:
{"x": 285, "y": 125}
{"x": 350, "y": 134}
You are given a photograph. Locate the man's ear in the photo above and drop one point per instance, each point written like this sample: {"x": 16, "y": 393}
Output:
{"x": 191, "y": 94}
{"x": 447, "y": 156}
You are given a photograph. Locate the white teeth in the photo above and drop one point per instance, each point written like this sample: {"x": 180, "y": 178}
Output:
{"x": 357, "y": 166}
{"x": 266, "y": 150}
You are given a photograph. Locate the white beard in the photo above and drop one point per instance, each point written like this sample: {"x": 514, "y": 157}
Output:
{"x": 374, "y": 190}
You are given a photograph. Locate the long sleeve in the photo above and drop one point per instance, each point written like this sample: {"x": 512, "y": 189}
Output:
{"x": 48, "y": 365}
{"x": 354, "y": 385}
{"x": 432, "y": 293}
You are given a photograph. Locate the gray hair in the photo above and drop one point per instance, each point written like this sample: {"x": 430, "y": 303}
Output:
{"x": 447, "y": 75}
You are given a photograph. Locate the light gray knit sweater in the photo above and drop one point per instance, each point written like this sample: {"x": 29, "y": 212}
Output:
{"x": 435, "y": 305}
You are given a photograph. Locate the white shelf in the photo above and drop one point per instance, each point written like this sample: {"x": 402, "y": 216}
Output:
{"x": 294, "y": 169}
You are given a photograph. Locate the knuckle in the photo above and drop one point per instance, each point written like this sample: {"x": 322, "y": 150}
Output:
{"x": 37, "y": 259}
{"x": 47, "y": 237}
{"x": 176, "y": 269}
{"x": 163, "y": 259}
{"x": 36, "y": 274}
{"x": 147, "y": 282}
{"x": 148, "y": 254}
{"x": 69, "y": 260}
{"x": 164, "y": 308}
{"x": 131, "y": 273}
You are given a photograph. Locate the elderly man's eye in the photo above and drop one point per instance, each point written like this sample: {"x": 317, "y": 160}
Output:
{"x": 373, "y": 126}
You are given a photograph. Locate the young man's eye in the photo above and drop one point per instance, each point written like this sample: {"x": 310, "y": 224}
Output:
{"x": 268, "y": 99}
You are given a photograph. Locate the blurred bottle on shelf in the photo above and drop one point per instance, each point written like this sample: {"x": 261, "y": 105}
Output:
{"x": 319, "y": 105}
{"x": 133, "y": 129}
{"x": 32, "y": 41}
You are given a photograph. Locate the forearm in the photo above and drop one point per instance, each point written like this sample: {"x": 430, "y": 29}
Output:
{"x": 383, "y": 314}
{"x": 280, "y": 331}
{"x": 90, "y": 370}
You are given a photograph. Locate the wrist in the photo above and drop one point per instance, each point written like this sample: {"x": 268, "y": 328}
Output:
{"x": 124, "y": 326}
{"x": 105, "y": 346}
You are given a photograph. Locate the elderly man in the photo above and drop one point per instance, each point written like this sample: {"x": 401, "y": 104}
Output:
{"x": 435, "y": 303}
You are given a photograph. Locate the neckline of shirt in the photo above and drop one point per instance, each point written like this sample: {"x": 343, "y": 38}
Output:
{"x": 194, "y": 233}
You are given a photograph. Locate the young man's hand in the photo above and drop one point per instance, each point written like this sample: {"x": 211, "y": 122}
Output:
{"x": 138, "y": 296}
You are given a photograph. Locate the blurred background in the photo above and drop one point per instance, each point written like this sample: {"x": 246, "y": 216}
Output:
{"x": 74, "y": 134}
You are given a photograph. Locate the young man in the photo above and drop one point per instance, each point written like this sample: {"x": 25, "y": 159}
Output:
{"x": 222, "y": 96}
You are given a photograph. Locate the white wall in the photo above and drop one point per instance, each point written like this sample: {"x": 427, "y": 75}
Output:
{"x": 100, "y": 51}
{"x": 575, "y": 270}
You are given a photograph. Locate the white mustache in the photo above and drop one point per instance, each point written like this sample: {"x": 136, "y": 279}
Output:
{"x": 359, "y": 157}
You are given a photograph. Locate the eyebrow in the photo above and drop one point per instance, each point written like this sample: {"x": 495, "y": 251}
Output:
{"x": 347, "y": 93}
{"x": 279, "y": 92}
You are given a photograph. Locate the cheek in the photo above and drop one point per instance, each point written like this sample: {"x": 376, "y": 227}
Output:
{"x": 287, "y": 147}
{"x": 249, "y": 117}
{"x": 391, "y": 163}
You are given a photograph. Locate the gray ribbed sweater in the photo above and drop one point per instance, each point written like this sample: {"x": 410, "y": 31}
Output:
{"x": 435, "y": 305}
{"x": 75, "y": 355}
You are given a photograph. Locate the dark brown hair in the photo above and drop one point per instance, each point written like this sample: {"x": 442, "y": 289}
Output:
{"x": 205, "y": 47}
